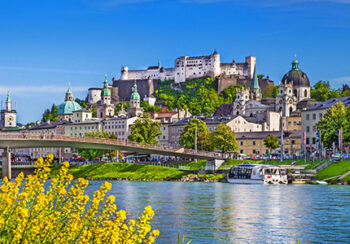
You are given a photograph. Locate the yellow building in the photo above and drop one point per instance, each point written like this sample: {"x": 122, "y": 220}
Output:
{"x": 252, "y": 143}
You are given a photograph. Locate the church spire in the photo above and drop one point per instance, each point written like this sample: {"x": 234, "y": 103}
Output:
{"x": 255, "y": 81}
{"x": 8, "y": 102}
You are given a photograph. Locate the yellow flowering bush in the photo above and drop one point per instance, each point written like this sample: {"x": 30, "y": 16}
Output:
{"x": 59, "y": 211}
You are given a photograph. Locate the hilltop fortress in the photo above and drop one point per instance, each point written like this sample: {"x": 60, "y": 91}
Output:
{"x": 193, "y": 67}
{"x": 185, "y": 68}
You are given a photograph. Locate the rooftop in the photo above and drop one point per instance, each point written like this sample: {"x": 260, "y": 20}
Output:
{"x": 330, "y": 102}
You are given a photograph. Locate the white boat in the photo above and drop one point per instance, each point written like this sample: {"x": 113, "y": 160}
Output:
{"x": 257, "y": 174}
{"x": 246, "y": 174}
{"x": 275, "y": 175}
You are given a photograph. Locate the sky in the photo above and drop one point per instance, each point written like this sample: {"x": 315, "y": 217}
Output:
{"x": 44, "y": 45}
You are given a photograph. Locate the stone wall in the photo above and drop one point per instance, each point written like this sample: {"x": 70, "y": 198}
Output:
{"x": 123, "y": 88}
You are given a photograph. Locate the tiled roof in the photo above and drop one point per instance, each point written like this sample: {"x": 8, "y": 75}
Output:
{"x": 330, "y": 102}
{"x": 264, "y": 134}
{"x": 224, "y": 110}
{"x": 46, "y": 125}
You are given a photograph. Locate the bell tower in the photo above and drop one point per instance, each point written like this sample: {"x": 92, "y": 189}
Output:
{"x": 8, "y": 115}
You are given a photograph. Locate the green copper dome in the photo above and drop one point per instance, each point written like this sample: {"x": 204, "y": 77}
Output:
{"x": 68, "y": 107}
{"x": 295, "y": 76}
{"x": 105, "y": 91}
{"x": 134, "y": 95}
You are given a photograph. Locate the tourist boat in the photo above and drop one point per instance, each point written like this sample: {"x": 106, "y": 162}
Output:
{"x": 257, "y": 174}
{"x": 275, "y": 175}
{"x": 247, "y": 174}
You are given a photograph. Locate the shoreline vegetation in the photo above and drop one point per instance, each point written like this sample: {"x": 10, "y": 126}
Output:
{"x": 189, "y": 172}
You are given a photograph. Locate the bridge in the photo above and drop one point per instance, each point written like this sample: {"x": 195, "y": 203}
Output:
{"x": 8, "y": 141}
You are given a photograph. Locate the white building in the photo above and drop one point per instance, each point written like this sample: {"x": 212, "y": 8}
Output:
{"x": 8, "y": 115}
{"x": 192, "y": 67}
{"x": 310, "y": 117}
{"x": 119, "y": 126}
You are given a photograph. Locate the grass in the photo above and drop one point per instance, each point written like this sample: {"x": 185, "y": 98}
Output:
{"x": 334, "y": 169}
{"x": 199, "y": 165}
{"x": 210, "y": 176}
{"x": 122, "y": 171}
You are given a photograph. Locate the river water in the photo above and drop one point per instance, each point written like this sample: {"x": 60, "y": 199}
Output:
{"x": 226, "y": 213}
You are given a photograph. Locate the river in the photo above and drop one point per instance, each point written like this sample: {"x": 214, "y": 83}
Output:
{"x": 226, "y": 213}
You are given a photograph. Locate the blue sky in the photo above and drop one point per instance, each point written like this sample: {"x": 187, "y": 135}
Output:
{"x": 46, "y": 44}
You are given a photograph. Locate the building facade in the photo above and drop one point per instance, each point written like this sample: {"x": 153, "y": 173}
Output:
{"x": 310, "y": 117}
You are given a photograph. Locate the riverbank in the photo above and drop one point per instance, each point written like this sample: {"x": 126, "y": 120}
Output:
{"x": 334, "y": 172}
{"x": 135, "y": 172}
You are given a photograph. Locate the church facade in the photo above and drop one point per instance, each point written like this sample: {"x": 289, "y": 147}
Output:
{"x": 293, "y": 94}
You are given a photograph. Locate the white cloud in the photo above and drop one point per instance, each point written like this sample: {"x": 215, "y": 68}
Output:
{"x": 269, "y": 3}
{"x": 50, "y": 70}
{"x": 39, "y": 89}
{"x": 338, "y": 82}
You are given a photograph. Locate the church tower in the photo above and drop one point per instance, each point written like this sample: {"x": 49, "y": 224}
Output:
{"x": 135, "y": 108}
{"x": 255, "y": 93}
{"x": 8, "y": 115}
{"x": 104, "y": 107}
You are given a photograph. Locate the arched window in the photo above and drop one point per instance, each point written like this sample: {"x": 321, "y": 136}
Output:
{"x": 290, "y": 110}
{"x": 237, "y": 112}
{"x": 295, "y": 92}
{"x": 251, "y": 115}
{"x": 305, "y": 93}
{"x": 280, "y": 109}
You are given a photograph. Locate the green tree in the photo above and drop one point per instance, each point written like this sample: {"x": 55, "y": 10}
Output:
{"x": 261, "y": 76}
{"x": 268, "y": 91}
{"x": 148, "y": 108}
{"x": 229, "y": 93}
{"x": 145, "y": 131}
{"x": 322, "y": 91}
{"x": 50, "y": 115}
{"x": 223, "y": 139}
{"x": 271, "y": 142}
{"x": 335, "y": 118}
{"x": 187, "y": 135}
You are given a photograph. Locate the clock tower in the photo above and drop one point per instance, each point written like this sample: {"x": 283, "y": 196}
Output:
{"x": 8, "y": 115}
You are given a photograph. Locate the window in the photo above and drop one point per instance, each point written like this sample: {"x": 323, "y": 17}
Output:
{"x": 307, "y": 128}
{"x": 305, "y": 93}
{"x": 254, "y": 152}
{"x": 294, "y": 123}
{"x": 293, "y": 141}
{"x": 241, "y": 143}
{"x": 241, "y": 150}
{"x": 308, "y": 117}
{"x": 289, "y": 123}
{"x": 314, "y": 116}
{"x": 314, "y": 128}
{"x": 307, "y": 140}
{"x": 320, "y": 115}
{"x": 254, "y": 143}
{"x": 313, "y": 140}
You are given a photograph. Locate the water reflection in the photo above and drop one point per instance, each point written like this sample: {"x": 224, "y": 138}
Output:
{"x": 225, "y": 213}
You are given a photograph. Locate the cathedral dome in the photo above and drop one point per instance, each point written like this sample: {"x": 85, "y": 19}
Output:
{"x": 68, "y": 107}
{"x": 295, "y": 76}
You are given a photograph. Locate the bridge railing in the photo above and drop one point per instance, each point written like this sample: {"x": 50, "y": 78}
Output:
{"x": 109, "y": 141}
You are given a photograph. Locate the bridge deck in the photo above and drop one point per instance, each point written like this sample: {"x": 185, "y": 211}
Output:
{"x": 61, "y": 141}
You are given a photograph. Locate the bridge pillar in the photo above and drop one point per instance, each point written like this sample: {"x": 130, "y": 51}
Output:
{"x": 214, "y": 164}
{"x": 6, "y": 164}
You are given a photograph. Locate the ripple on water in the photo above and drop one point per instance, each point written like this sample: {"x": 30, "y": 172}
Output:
{"x": 226, "y": 213}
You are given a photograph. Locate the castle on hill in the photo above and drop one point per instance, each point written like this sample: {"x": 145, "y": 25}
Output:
{"x": 186, "y": 67}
